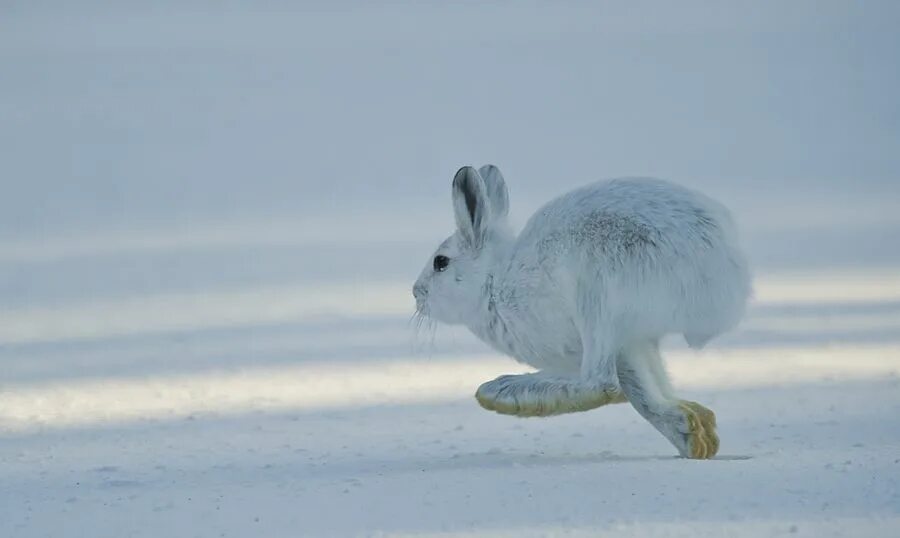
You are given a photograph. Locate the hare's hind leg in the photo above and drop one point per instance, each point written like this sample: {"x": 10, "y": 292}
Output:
{"x": 541, "y": 394}
{"x": 687, "y": 425}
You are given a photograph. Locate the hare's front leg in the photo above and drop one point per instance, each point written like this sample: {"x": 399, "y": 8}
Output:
{"x": 542, "y": 394}
{"x": 687, "y": 425}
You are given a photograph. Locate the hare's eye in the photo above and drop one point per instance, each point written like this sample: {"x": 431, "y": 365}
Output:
{"x": 440, "y": 262}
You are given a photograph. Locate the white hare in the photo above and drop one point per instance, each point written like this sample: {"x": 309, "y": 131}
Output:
{"x": 586, "y": 291}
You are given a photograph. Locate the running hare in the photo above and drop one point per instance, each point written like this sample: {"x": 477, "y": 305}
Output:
{"x": 585, "y": 292}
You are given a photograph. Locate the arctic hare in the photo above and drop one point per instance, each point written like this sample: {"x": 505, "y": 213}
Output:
{"x": 586, "y": 291}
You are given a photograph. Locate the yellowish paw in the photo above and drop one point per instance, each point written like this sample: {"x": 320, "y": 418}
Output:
{"x": 519, "y": 396}
{"x": 703, "y": 443}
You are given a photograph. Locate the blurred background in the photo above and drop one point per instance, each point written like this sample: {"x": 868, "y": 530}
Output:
{"x": 215, "y": 209}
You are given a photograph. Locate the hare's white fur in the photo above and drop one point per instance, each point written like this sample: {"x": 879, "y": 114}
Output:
{"x": 587, "y": 289}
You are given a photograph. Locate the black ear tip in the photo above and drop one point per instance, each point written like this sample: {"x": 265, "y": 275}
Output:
{"x": 462, "y": 174}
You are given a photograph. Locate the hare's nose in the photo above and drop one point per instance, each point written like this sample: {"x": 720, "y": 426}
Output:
{"x": 418, "y": 290}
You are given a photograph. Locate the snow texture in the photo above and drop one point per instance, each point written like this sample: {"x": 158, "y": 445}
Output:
{"x": 211, "y": 216}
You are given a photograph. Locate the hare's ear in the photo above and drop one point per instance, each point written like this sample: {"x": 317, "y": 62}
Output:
{"x": 496, "y": 190}
{"x": 471, "y": 205}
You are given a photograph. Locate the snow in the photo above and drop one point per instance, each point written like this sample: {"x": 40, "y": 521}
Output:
{"x": 211, "y": 218}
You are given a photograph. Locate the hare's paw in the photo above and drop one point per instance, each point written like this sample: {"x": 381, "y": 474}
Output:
{"x": 701, "y": 441}
{"x": 499, "y": 395}
{"x": 539, "y": 395}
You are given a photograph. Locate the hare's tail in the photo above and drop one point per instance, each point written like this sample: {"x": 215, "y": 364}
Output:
{"x": 541, "y": 395}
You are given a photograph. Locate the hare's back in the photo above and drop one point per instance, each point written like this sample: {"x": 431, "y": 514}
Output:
{"x": 627, "y": 214}
{"x": 652, "y": 243}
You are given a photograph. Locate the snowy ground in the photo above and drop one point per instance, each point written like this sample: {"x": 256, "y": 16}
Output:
{"x": 210, "y": 221}
{"x": 333, "y": 428}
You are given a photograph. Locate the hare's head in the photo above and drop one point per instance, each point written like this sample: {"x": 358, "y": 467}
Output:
{"x": 453, "y": 287}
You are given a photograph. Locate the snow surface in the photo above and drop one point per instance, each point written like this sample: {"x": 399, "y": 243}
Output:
{"x": 212, "y": 213}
